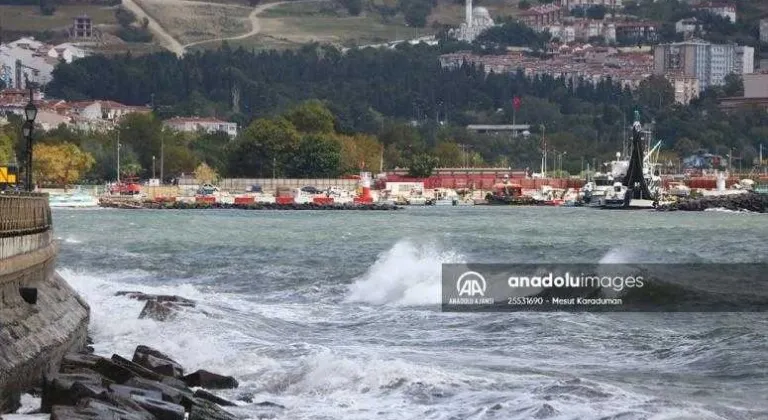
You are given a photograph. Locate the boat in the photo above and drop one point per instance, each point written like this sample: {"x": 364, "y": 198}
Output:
{"x": 75, "y": 199}
{"x": 506, "y": 193}
{"x": 442, "y": 198}
{"x": 617, "y": 197}
{"x": 416, "y": 198}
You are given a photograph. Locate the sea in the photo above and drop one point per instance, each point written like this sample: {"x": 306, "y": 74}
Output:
{"x": 336, "y": 314}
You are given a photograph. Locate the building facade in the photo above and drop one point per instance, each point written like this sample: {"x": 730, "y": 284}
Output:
{"x": 756, "y": 85}
{"x": 636, "y": 32}
{"x": 539, "y": 17}
{"x": 210, "y": 125}
{"x": 686, "y": 88}
{"x": 572, "y": 4}
{"x": 709, "y": 63}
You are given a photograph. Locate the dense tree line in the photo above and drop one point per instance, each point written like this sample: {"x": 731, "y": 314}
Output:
{"x": 412, "y": 104}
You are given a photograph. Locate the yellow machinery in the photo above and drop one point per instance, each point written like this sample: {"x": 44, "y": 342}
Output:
{"x": 8, "y": 176}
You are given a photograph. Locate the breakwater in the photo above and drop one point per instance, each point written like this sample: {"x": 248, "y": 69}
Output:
{"x": 41, "y": 317}
{"x": 753, "y": 202}
{"x": 181, "y": 205}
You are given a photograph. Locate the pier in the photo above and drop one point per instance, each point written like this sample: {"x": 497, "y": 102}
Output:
{"x": 41, "y": 317}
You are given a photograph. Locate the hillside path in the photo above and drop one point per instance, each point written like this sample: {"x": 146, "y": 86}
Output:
{"x": 165, "y": 39}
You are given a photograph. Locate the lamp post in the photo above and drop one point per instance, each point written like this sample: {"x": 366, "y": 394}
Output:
{"x": 153, "y": 168}
{"x": 30, "y": 113}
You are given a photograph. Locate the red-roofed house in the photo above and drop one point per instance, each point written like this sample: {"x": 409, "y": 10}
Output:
{"x": 211, "y": 125}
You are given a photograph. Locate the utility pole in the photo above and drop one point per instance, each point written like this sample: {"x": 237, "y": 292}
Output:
{"x": 544, "y": 154}
{"x": 118, "y": 155}
{"x": 162, "y": 157}
{"x": 154, "y": 174}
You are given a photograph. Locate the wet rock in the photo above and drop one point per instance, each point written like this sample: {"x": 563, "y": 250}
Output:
{"x": 162, "y": 410}
{"x": 205, "y": 410}
{"x": 157, "y": 311}
{"x": 545, "y": 411}
{"x": 73, "y": 362}
{"x": 170, "y": 394}
{"x": 205, "y": 395}
{"x": 116, "y": 408}
{"x": 157, "y": 361}
{"x": 114, "y": 371}
{"x": 247, "y": 398}
{"x": 270, "y": 404}
{"x": 209, "y": 380}
{"x": 178, "y": 300}
{"x": 68, "y": 388}
{"x": 136, "y": 368}
{"x": 129, "y": 392}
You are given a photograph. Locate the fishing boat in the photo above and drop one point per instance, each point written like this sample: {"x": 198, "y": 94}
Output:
{"x": 617, "y": 197}
{"x": 443, "y": 198}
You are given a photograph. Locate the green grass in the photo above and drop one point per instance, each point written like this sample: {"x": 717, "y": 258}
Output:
{"x": 135, "y": 49}
{"x": 29, "y": 18}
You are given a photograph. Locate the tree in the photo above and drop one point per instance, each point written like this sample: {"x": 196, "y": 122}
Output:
{"x": 318, "y": 156}
{"x": 59, "y": 164}
{"x": 354, "y": 7}
{"x": 359, "y": 151}
{"x": 265, "y": 146}
{"x": 205, "y": 175}
{"x": 449, "y": 155}
{"x": 311, "y": 117}
{"x": 524, "y": 5}
{"x": 422, "y": 165}
{"x": 596, "y": 12}
{"x": 6, "y": 148}
{"x": 734, "y": 85}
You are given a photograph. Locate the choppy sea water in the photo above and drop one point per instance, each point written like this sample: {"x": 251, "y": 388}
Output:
{"x": 335, "y": 315}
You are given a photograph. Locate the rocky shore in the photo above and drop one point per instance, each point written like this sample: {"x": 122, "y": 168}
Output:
{"x": 149, "y": 386}
{"x": 752, "y": 202}
{"x": 122, "y": 204}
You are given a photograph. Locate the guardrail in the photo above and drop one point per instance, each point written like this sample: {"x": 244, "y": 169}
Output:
{"x": 24, "y": 214}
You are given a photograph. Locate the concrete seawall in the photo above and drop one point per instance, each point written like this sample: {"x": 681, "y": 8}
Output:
{"x": 41, "y": 316}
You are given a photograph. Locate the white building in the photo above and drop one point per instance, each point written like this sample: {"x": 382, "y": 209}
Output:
{"x": 745, "y": 60}
{"x": 27, "y": 58}
{"x": 686, "y": 88}
{"x": 210, "y": 125}
{"x": 476, "y": 21}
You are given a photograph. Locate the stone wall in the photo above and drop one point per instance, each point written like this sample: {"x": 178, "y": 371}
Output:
{"x": 41, "y": 316}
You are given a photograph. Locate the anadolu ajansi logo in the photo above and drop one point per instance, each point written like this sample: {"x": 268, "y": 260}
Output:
{"x": 471, "y": 284}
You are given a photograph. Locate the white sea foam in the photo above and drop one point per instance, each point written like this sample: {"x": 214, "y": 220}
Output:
{"x": 408, "y": 274}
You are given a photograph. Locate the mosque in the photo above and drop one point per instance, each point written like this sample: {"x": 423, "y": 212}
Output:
{"x": 477, "y": 20}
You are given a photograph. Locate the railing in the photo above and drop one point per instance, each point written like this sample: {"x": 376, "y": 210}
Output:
{"x": 24, "y": 214}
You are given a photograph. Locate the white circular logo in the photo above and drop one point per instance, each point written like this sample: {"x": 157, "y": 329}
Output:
{"x": 471, "y": 283}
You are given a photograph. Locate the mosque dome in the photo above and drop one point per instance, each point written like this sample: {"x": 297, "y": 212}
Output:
{"x": 480, "y": 13}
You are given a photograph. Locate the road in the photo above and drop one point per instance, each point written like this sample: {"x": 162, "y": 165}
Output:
{"x": 164, "y": 38}
{"x": 255, "y": 26}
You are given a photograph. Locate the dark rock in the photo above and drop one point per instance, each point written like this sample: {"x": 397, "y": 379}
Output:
{"x": 162, "y": 410}
{"x": 114, "y": 371}
{"x": 204, "y": 410}
{"x": 157, "y": 298}
{"x": 175, "y": 383}
{"x": 116, "y": 408}
{"x": 75, "y": 361}
{"x": 209, "y": 380}
{"x": 88, "y": 350}
{"x": 248, "y": 398}
{"x": 158, "y": 311}
{"x": 270, "y": 404}
{"x": 129, "y": 392}
{"x": 205, "y": 395}
{"x": 157, "y": 362}
{"x": 88, "y": 340}
{"x": 170, "y": 394}
{"x": 62, "y": 390}
{"x": 136, "y": 368}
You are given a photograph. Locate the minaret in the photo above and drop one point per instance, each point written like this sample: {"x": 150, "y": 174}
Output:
{"x": 469, "y": 13}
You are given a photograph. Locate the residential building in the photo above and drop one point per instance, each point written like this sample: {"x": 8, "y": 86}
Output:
{"x": 583, "y": 30}
{"x": 689, "y": 27}
{"x": 29, "y": 59}
{"x": 636, "y": 32}
{"x": 539, "y": 17}
{"x": 764, "y": 31}
{"x": 686, "y": 88}
{"x": 211, "y": 125}
{"x": 745, "y": 60}
{"x": 726, "y": 10}
{"x": 710, "y": 63}
{"x": 572, "y": 4}
{"x": 574, "y": 63}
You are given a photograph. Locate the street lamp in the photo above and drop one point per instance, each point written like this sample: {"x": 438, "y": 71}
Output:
{"x": 30, "y": 113}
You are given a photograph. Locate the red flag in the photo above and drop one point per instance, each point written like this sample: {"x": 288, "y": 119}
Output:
{"x": 516, "y": 103}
